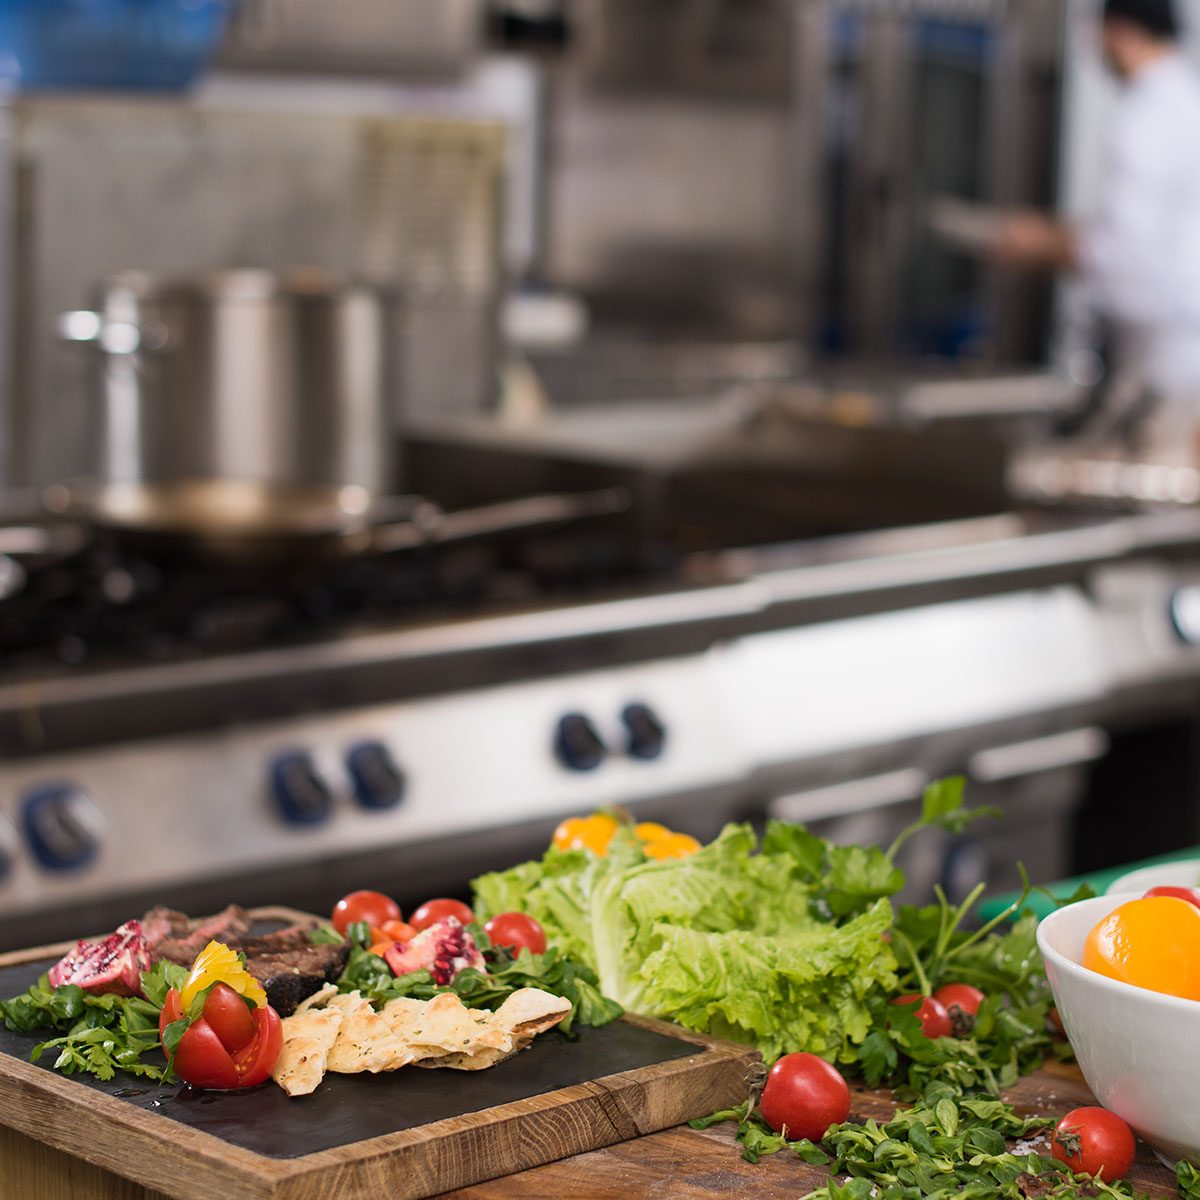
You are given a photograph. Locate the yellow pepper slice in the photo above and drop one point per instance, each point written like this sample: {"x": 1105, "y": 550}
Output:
{"x": 216, "y": 963}
{"x": 675, "y": 845}
{"x": 586, "y": 833}
{"x": 651, "y": 831}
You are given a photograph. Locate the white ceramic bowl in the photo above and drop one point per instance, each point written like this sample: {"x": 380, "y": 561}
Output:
{"x": 1139, "y": 1050}
{"x": 1173, "y": 874}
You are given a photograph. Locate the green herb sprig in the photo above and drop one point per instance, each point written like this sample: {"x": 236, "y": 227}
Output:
{"x": 101, "y": 1034}
{"x": 946, "y": 1146}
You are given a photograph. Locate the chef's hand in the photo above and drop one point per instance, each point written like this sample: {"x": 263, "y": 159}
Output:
{"x": 1032, "y": 239}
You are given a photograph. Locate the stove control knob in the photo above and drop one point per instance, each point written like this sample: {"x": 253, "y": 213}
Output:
{"x": 10, "y": 849}
{"x": 378, "y": 779}
{"x": 578, "y": 744}
{"x": 646, "y": 735}
{"x": 300, "y": 793}
{"x": 62, "y": 825}
{"x": 1185, "y": 613}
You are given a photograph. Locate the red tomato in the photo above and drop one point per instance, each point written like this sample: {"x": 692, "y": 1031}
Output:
{"x": 805, "y": 1095}
{"x": 935, "y": 1020}
{"x": 516, "y": 930}
{"x": 1095, "y": 1141}
{"x": 962, "y": 1002}
{"x": 433, "y": 911}
{"x": 1191, "y": 895}
{"x": 373, "y": 907}
{"x": 204, "y": 1060}
{"x": 171, "y": 1011}
{"x": 256, "y": 1060}
{"x": 231, "y": 1018}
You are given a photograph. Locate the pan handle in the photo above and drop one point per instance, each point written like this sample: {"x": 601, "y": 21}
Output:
{"x": 505, "y": 516}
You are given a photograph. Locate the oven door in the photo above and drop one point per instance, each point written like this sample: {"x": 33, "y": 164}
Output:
{"x": 1038, "y": 785}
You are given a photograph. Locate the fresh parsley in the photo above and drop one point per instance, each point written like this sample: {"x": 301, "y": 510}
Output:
{"x": 947, "y": 1145}
{"x": 100, "y": 1035}
{"x": 944, "y": 1146}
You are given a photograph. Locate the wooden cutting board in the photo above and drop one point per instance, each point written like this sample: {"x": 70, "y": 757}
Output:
{"x": 403, "y": 1134}
{"x": 686, "y": 1165}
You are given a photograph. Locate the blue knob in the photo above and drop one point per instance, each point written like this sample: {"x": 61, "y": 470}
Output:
{"x": 378, "y": 779}
{"x": 646, "y": 735}
{"x": 61, "y": 825}
{"x": 301, "y": 795}
{"x": 578, "y": 744}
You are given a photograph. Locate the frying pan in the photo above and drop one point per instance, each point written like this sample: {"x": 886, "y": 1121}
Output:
{"x": 253, "y": 523}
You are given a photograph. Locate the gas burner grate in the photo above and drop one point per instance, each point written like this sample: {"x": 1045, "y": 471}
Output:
{"x": 103, "y": 607}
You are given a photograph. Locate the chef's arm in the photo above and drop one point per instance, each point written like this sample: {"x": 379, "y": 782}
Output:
{"x": 1119, "y": 251}
{"x": 1032, "y": 239}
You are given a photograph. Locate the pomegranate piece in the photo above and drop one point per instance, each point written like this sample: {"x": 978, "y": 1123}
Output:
{"x": 443, "y": 950}
{"x": 113, "y": 964}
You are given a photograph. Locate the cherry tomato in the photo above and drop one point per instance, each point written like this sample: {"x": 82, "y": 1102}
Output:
{"x": 935, "y": 1020}
{"x": 433, "y": 911}
{"x": 806, "y": 1095}
{"x": 516, "y": 930}
{"x": 962, "y": 1002}
{"x": 230, "y": 1016}
{"x": 204, "y": 1059}
{"x": 1191, "y": 895}
{"x": 172, "y": 1010}
{"x": 1095, "y": 1141}
{"x": 373, "y": 907}
{"x": 256, "y": 1060}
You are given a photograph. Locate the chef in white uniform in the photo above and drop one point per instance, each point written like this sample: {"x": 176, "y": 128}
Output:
{"x": 1139, "y": 253}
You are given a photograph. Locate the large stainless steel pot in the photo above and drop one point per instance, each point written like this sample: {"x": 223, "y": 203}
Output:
{"x": 278, "y": 379}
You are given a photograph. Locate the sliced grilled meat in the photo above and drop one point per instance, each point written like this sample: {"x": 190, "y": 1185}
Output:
{"x": 176, "y": 937}
{"x": 291, "y": 976}
{"x": 284, "y": 961}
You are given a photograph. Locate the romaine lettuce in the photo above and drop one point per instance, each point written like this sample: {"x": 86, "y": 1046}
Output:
{"x": 777, "y": 947}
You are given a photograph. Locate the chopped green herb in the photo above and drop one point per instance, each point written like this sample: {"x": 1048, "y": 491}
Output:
{"x": 100, "y": 1034}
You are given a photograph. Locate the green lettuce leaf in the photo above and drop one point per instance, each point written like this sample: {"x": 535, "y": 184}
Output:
{"x": 777, "y": 946}
{"x": 807, "y": 990}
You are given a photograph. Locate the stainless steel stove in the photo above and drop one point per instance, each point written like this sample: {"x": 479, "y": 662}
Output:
{"x": 175, "y": 736}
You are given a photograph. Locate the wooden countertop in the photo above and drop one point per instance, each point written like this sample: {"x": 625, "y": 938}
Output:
{"x": 677, "y": 1164}
{"x": 681, "y": 1164}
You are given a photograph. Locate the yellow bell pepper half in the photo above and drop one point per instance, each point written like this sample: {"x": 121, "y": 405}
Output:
{"x": 216, "y": 963}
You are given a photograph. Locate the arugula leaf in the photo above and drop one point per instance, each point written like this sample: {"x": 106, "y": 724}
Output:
{"x": 1188, "y": 1179}
{"x": 506, "y": 973}
{"x": 757, "y": 1138}
{"x": 325, "y": 935}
